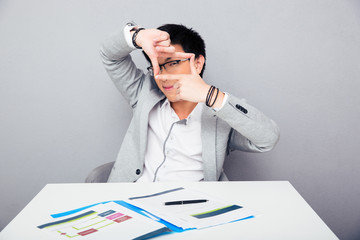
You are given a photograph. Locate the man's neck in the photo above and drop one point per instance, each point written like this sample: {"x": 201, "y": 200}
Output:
{"x": 183, "y": 108}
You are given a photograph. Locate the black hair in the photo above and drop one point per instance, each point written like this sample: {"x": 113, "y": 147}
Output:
{"x": 189, "y": 39}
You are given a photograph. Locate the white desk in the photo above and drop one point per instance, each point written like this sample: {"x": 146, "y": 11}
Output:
{"x": 284, "y": 213}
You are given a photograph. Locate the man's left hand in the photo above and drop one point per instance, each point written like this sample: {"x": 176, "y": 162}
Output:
{"x": 189, "y": 87}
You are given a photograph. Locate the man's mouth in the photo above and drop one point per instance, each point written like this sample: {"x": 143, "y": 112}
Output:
{"x": 167, "y": 88}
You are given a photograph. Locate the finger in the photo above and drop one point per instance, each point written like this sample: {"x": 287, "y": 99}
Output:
{"x": 177, "y": 86}
{"x": 182, "y": 55}
{"x": 174, "y": 54}
{"x": 155, "y": 65}
{"x": 163, "y": 36}
{"x": 162, "y": 43}
{"x": 170, "y": 49}
{"x": 178, "y": 96}
{"x": 192, "y": 65}
{"x": 163, "y": 77}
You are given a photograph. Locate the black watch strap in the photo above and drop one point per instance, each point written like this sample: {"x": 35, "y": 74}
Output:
{"x": 134, "y": 37}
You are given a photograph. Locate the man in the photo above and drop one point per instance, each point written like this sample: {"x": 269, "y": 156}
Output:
{"x": 182, "y": 128}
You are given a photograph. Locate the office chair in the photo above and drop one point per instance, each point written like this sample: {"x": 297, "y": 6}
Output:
{"x": 100, "y": 174}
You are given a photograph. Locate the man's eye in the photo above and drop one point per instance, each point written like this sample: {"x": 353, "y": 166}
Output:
{"x": 171, "y": 64}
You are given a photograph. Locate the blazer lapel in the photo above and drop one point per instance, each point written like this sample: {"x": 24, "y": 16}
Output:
{"x": 151, "y": 99}
{"x": 208, "y": 130}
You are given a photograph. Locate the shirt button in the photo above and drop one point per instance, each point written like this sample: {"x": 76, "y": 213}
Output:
{"x": 138, "y": 172}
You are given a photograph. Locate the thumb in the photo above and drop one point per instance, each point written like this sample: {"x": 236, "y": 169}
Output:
{"x": 155, "y": 65}
{"x": 192, "y": 65}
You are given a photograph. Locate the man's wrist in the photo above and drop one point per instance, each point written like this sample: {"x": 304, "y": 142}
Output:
{"x": 215, "y": 98}
{"x": 134, "y": 37}
{"x": 212, "y": 96}
{"x": 131, "y": 32}
{"x": 219, "y": 101}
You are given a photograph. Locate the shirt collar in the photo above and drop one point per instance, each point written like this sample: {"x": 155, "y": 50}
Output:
{"x": 163, "y": 103}
{"x": 195, "y": 115}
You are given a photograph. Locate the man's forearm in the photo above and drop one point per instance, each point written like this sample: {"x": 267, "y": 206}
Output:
{"x": 114, "y": 48}
{"x": 261, "y": 132}
{"x": 115, "y": 53}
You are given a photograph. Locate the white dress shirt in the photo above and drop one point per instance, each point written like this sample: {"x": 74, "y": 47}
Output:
{"x": 174, "y": 148}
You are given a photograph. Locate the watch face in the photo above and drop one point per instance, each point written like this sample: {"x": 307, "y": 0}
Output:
{"x": 131, "y": 24}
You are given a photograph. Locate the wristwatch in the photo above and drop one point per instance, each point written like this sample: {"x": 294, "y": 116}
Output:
{"x": 132, "y": 26}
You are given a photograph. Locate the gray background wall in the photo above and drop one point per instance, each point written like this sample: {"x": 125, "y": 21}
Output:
{"x": 297, "y": 61}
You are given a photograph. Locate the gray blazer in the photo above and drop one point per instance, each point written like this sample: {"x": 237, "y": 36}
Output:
{"x": 236, "y": 126}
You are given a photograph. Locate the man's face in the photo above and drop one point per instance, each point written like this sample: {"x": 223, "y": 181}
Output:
{"x": 172, "y": 67}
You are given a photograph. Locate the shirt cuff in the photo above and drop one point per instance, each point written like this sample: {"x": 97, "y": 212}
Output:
{"x": 128, "y": 27}
{"x": 223, "y": 103}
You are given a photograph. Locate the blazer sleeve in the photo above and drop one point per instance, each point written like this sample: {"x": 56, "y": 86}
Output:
{"x": 251, "y": 131}
{"x": 115, "y": 55}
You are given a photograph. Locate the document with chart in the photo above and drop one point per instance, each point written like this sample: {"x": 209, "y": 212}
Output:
{"x": 189, "y": 209}
{"x": 103, "y": 221}
{"x": 145, "y": 216}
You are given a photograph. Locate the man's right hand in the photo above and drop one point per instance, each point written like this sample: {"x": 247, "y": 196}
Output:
{"x": 155, "y": 43}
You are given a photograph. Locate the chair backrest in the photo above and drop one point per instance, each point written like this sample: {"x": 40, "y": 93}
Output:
{"x": 100, "y": 174}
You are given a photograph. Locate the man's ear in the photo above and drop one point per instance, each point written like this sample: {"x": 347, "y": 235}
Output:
{"x": 199, "y": 63}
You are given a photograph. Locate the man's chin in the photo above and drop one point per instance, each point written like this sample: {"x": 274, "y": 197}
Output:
{"x": 172, "y": 99}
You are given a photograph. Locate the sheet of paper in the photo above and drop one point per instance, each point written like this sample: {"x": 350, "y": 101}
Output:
{"x": 198, "y": 215}
{"x": 103, "y": 221}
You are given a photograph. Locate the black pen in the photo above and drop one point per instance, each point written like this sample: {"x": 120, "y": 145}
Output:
{"x": 185, "y": 202}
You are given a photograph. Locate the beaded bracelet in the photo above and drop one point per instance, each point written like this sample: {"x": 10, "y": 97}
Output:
{"x": 217, "y": 93}
{"x": 210, "y": 95}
